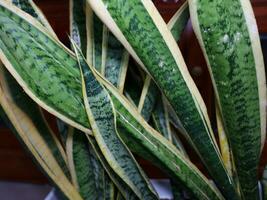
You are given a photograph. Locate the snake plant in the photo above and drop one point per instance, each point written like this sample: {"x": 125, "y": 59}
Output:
{"x": 110, "y": 108}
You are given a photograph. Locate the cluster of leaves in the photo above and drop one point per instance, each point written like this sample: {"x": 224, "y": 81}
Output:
{"x": 109, "y": 108}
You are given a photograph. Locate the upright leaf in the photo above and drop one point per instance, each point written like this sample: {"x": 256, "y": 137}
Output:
{"x": 126, "y": 192}
{"x": 119, "y": 197}
{"x": 145, "y": 141}
{"x": 117, "y": 59}
{"x": 224, "y": 144}
{"x": 142, "y": 31}
{"x": 105, "y": 52}
{"x": 78, "y": 23}
{"x": 179, "y": 20}
{"x": 150, "y": 90}
{"x": 96, "y": 40}
{"x": 87, "y": 171}
{"x": 228, "y": 35}
{"x": 160, "y": 118}
{"x": 139, "y": 130}
{"x": 110, "y": 190}
{"x": 101, "y": 115}
{"x": 148, "y": 98}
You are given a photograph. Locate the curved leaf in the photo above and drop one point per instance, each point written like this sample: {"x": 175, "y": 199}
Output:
{"x": 33, "y": 111}
{"x": 57, "y": 88}
{"x": 150, "y": 91}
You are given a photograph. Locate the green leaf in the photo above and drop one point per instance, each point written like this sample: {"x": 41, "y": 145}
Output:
{"x": 88, "y": 173}
{"x": 224, "y": 144}
{"x": 142, "y": 31}
{"x": 106, "y": 54}
{"x": 140, "y": 130}
{"x": 30, "y": 7}
{"x": 161, "y": 121}
{"x": 150, "y": 91}
{"x": 101, "y": 115}
{"x": 160, "y": 118}
{"x": 110, "y": 190}
{"x": 116, "y": 64}
{"x": 33, "y": 111}
{"x": 78, "y": 23}
{"x": 227, "y": 32}
{"x": 96, "y": 40}
{"x": 119, "y": 197}
{"x": 148, "y": 98}
{"x": 179, "y": 21}
{"x": 121, "y": 186}
{"x": 48, "y": 75}
{"x": 145, "y": 141}
{"x": 133, "y": 86}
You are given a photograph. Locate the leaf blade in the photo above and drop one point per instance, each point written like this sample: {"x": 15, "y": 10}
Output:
{"x": 236, "y": 65}
{"x": 100, "y": 113}
{"x": 147, "y": 38}
{"x": 28, "y": 75}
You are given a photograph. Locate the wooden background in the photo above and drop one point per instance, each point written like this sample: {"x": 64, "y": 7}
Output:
{"x": 16, "y": 165}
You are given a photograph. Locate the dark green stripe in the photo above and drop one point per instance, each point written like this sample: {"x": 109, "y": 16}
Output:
{"x": 78, "y": 22}
{"x": 151, "y": 147}
{"x": 26, "y": 7}
{"x": 140, "y": 129}
{"x": 122, "y": 187}
{"x": 101, "y": 113}
{"x": 113, "y": 66}
{"x": 228, "y": 45}
{"x": 88, "y": 170}
{"x": 48, "y": 71}
{"x": 97, "y": 42}
{"x": 150, "y": 100}
{"x": 140, "y": 31}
